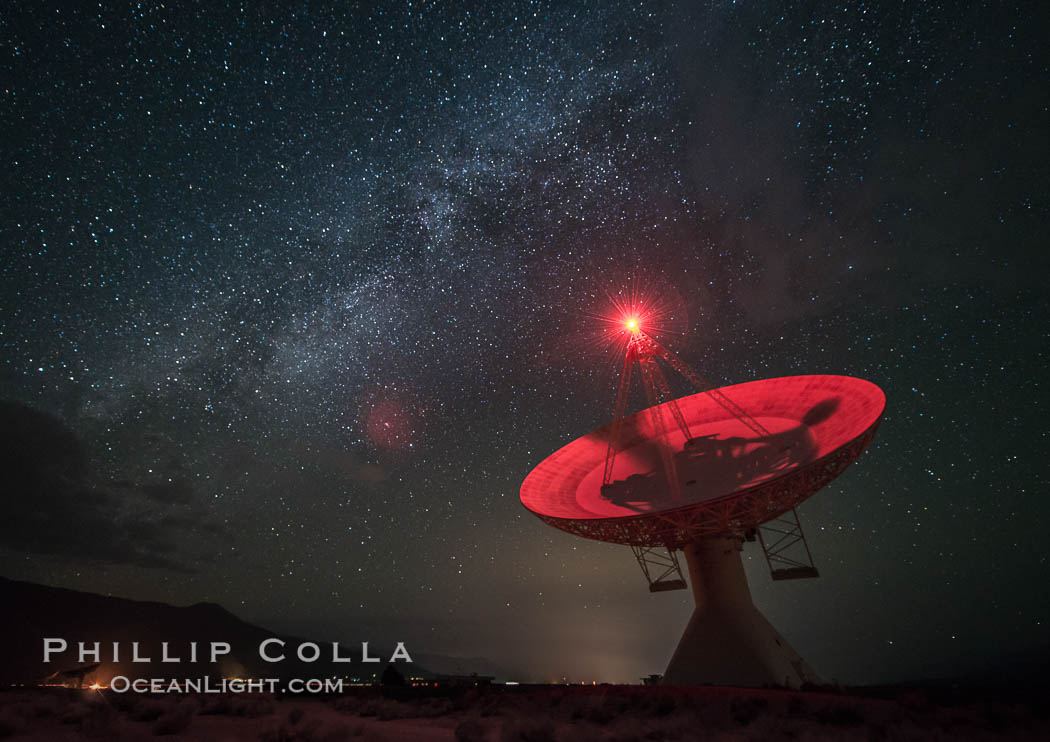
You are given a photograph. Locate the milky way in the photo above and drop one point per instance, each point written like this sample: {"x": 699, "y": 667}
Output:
{"x": 297, "y": 294}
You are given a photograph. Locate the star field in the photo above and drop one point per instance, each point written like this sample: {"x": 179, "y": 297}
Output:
{"x": 295, "y": 295}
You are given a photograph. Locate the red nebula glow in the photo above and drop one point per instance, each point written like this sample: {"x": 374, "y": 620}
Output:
{"x": 394, "y": 421}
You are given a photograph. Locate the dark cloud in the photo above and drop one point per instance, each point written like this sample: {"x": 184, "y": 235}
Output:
{"x": 350, "y": 466}
{"x": 284, "y": 468}
{"x": 175, "y": 492}
{"x": 53, "y": 503}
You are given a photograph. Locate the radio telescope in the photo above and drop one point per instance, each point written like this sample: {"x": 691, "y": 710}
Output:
{"x": 701, "y": 475}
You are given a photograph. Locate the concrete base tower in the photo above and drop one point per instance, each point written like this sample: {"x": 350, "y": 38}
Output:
{"x": 727, "y": 641}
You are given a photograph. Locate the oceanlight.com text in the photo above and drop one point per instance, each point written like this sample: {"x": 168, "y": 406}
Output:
{"x": 122, "y": 684}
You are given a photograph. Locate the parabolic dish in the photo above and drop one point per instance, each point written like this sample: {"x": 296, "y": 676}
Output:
{"x": 730, "y": 477}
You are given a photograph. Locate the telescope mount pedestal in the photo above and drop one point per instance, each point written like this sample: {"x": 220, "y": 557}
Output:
{"x": 728, "y": 641}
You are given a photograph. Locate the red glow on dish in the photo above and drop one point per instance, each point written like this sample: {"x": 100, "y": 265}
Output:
{"x": 567, "y": 484}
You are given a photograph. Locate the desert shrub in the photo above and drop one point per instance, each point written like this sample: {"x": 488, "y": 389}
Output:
{"x": 125, "y": 703}
{"x": 40, "y": 705}
{"x": 999, "y": 717}
{"x": 714, "y": 712}
{"x": 596, "y": 710}
{"x": 276, "y": 733}
{"x": 634, "y": 730}
{"x": 914, "y": 700}
{"x": 255, "y": 706}
{"x": 838, "y": 715}
{"x": 909, "y": 731}
{"x": 471, "y": 730}
{"x": 339, "y": 732}
{"x": 490, "y": 706}
{"x": 687, "y": 726}
{"x": 527, "y": 730}
{"x": 247, "y": 706}
{"x": 746, "y": 710}
{"x": 665, "y": 705}
{"x": 10, "y": 723}
{"x": 311, "y": 730}
{"x": 73, "y": 713}
{"x": 176, "y": 719}
{"x": 601, "y": 713}
{"x": 218, "y": 705}
{"x": 99, "y": 722}
{"x": 147, "y": 709}
{"x": 654, "y": 703}
{"x": 435, "y": 707}
{"x": 589, "y": 733}
{"x": 390, "y": 710}
{"x": 360, "y": 705}
{"x": 467, "y": 701}
{"x": 344, "y": 704}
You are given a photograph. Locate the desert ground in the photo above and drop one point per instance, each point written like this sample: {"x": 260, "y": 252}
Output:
{"x": 526, "y": 714}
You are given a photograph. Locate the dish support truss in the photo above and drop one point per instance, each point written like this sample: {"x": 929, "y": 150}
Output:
{"x": 783, "y": 544}
{"x": 785, "y": 547}
{"x": 661, "y": 568}
{"x": 781, "y": 538}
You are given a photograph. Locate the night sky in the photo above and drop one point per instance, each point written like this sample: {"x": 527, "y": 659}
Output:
{"x": 293, "y": 296}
